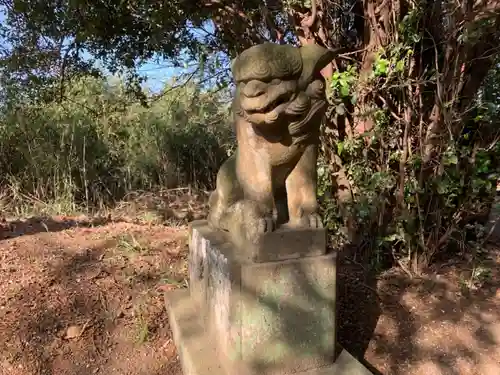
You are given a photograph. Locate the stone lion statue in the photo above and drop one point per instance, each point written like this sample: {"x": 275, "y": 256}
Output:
{"x": 278, "y": 106}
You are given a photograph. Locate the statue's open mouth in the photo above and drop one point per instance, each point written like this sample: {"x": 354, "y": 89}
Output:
{"x": 298, "y": 109}
{"x": 281, "y": 100}
{"x": 262, "y": 98}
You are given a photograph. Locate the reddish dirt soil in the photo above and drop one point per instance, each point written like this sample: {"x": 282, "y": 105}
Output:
{"x": 81, "y": 299}
{"x": 88, "y": 300}
{"x": 443, "y": 323}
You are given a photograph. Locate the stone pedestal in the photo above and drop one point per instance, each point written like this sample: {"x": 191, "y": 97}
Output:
{"x": 262, "y": 312}
{"x": 493, "y": 225}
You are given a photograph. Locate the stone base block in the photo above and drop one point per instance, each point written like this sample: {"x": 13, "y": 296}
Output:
{"x": 493, "y": 225}
{"x": 279, "y": 314}
{"x": 199, "y": 356}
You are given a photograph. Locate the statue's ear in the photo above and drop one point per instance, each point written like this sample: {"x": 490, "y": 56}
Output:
{"x": 233, "y": 62}
{"x": 315, "y": 58}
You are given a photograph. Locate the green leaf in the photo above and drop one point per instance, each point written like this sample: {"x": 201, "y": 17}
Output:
{"x": 441, "y": 188}
{"x": 451, "y": 160}
{"x": 391, "y": 238}
{"x": 344, "y": 91}
{"x": 340, "y": 148}
{"x": 321, "y": 171}
{"x": 354, "y": 99}
{"x": 400, "y": 66}
{"x": 416, "y": 38}
{"x": 381, "y": 67}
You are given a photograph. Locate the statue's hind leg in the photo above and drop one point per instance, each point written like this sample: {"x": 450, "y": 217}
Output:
{"x": 238, "y": 210}
{"x": 227, "y": 192}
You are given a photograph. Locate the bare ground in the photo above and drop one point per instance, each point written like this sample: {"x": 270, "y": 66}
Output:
{"x": 87, "y": 299}
{"x": 444, "y": 324}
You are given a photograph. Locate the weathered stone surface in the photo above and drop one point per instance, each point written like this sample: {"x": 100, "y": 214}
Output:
{"x": 494, "y": 219}
{"x": 195, "y": 347}
{"x": 282, "y": 244}
{"x": 287, "y": 314}
{"x": 280, "y": 314}
{"x": 198, "y": 354}
{"x": 272, "y": 317}
{"x": 278, "y": 107}
{"x": 290, "y": 243}
{"x": 217, "y": 291}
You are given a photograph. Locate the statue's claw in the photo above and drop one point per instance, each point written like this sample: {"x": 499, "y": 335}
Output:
{"x": 306, "y": 221}
{"x": 315, "y": 221}
{"x": 265, "y": 224}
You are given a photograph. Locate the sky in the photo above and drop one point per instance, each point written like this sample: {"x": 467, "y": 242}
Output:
{"x": 157, "y": 72}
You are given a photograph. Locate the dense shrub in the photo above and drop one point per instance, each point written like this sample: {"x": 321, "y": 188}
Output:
{"x": 98, "y": 144}
{"x": 411, "y": 191}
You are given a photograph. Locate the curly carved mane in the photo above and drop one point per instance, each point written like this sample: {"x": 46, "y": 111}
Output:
{"x": 279, "y": 88}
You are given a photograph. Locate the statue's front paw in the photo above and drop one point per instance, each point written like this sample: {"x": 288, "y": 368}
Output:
{"x": 256, "y": 227}
{"x": 265, "y": 225}
{"x": 314, "y": 221}
{"x": 306, "y": 221}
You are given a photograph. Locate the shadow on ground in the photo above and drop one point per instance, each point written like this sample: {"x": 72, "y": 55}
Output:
{"x": 175, "y": 207}
{"x": 34, "y": 225}
{"x": 426, "y": 326}
{"x": 108, "y": 296}
{"x": 436, "y": 325}
{"x": 358, "y": 305}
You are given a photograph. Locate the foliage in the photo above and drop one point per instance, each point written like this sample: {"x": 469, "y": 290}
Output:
{"x": 408, "y": 148}
{"x": 414, "y": 193}
{"x": 45, "y": 43}
{"x": 99, "y": 143}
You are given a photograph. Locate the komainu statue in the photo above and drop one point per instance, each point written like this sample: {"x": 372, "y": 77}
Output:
{"x": 278, "y": 107}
